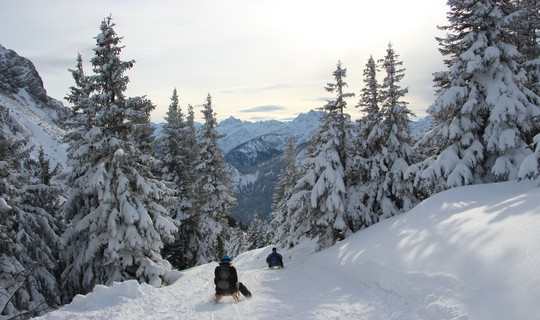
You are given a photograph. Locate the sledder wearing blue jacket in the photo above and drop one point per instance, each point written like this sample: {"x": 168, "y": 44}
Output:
{"x": 274, "y": 259}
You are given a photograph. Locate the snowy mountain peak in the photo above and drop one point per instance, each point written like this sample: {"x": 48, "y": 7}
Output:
{"x": 27, "y": 110}
{"x": 308, "y": 117}
{"x": 18, "y": 73}
{"x": 230, "y": 121}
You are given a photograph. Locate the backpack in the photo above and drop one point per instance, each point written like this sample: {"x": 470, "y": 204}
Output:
{"x": 223, "y": 282}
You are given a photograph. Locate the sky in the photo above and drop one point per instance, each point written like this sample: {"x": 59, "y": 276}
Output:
{"x": 466, "y": 253}
{"x": 259, "y": 60}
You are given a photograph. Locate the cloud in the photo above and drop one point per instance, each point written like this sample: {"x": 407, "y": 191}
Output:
{"x": 275, "y": 86}
{"x": 268, "y": 108}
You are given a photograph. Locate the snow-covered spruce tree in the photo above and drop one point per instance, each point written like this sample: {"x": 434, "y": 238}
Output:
{"x": 288, "y": 177}
{"x": 483, "y": 110}
{"x": 173, "y": 165}
{"x": 171, "y": 144}
{"x": 367, "y": 168}
{"x": 530, "y": 167}
{"x": 318, "y": 200}
{"x": 529, "y": 46}
{"x": 257, "y": 233}
{"x": 214, "y": 187}
{"x": 115, "y": 206}
{"x": 529, "y": 33}
{"x": 396, "y": 194}
{"x": 178, "y": 153}
{"x": 187, "y": 237}
{"x": 29, "y": 232}
{"x": 236, "y": 243}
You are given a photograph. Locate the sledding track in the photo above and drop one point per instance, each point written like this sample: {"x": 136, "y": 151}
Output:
{"x": 286, "y": 293}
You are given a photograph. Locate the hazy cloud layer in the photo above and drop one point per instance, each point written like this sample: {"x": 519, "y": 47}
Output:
{"x": 263, "y": 109}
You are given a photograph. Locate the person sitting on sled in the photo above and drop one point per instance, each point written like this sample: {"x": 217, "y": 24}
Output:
{"x": 226, "y": 280}
{"x": 225, "y": 276}
{"x": 274, "y": 259}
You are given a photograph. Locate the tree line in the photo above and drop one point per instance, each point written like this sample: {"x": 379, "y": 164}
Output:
{"x": 486, "y": 129}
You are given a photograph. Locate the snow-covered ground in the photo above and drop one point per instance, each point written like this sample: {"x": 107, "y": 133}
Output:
{"x": 467, "y": 253}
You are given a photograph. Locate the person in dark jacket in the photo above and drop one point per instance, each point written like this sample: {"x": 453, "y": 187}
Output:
{"x": 274, "y": 259}
{"x": 225, "y": 276}
{"x": 226, "y": 280}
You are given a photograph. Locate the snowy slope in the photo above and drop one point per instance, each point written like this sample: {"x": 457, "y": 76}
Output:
{"x": 467, "y": 253}
{"x": 37, "y": 125}
{"x": 27, "y": 110}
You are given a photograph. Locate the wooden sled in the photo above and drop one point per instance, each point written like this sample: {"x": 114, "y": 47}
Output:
{"x": 235, "y": 296}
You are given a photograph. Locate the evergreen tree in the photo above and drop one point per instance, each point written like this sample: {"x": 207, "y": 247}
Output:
{"x": 83, "y": 112}
{"x": 215, "y": 190}
{"x": 171, "y": 145}
{"x": 141, "y": 130}
{"x": 192, "y": 149}
{"x": 187, "y": 244}
{"x": 288, "y": 177}
{"x": 29, "y": 232}
{"x": 530, "y": 167}
{"x": 169, "y": 152}
{"x": 177, "y": 147}
{"x": 483, "y": 109}
{"x": 116, "y": 206}
{"x": 528, "y": 34}
{"x": 318, "y": 203}
{"x": 396, "y": 192}
{"x": 237, "y": 241}
{"x": 367, "y": 167}
{"x": 257, "y": 233}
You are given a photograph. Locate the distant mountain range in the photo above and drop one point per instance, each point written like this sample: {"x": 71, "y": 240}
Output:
{"x": 253, "y": 149}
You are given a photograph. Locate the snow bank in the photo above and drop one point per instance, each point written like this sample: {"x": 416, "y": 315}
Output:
{"x": 474, "y": 248}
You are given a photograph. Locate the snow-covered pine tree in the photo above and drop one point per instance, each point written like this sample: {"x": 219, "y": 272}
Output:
{"x": 529, "y": 34}
{"x": 214, "y": 188}
{"x": 29, "y": 232}
{"x": 177, "y": 151}
{"x": 318, "y": 203}
{"x": 530, "y": 167}
{"x": 141, "y": 131}
{"x": 187, "y": 241}
{"x": 288, "y": 177}
{"x": 483, "y": 110}
{"x": 369, "y": 126}
{"x": 170, "y": 143}
{"x": 170, "y": 146}
{"x": 236, "y": 243}
{"x": 257, "y": 233}
{"x": 115, "y": 207}
{"x": 191, "y": 141}
{"x": 83, "y": 112}
{"x": 396, "y": 192}
{"x": 366, "y": 170}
